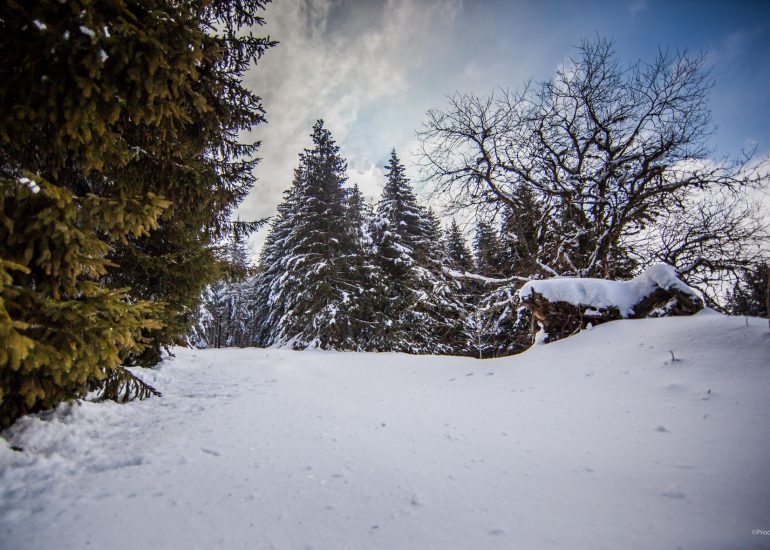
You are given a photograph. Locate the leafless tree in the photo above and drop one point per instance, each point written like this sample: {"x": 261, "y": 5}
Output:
{"x": 711, "y": 238}
{"x": 607, "y": 151}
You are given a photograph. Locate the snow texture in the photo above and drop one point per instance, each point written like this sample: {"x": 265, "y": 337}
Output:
{"x": 599, "y": 441}
{"x": 602, "y": 293}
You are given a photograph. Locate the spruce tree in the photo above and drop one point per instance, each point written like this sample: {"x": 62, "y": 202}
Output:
{"x": 496, "y": 325}
{"x": 308, "y": 281}
{"x": 134, "y": 106}
{"x": 62, "y": 332}
{"x": 458, "y": 255}
{"x": 749, "y": 294}
{"x": 417, "y": 304}
{"x": 224, "y": 318}
{"x": 363, "y": 301}
{"x": 489, "y": 251}
{"x": 525, "y": 236}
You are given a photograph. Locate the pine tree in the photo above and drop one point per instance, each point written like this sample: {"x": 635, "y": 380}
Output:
{"x": 308, "y": 276}
{"x": 417, "y": 306}
{"x": 134, "y": 106}
{"x": 224, "y": 318}
{"x": 489, "y": 252}
{"x": 62, "y": 332}
{"x": 525, "y": 236}
{"x": 459, "y": 257}
{"x": 749, "y": 295}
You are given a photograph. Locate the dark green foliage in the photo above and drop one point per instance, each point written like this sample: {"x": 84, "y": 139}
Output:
{"x": 61, "y": 330}
{"x": 401, "y": 226}
{"x": 490, "y": 261}
{"x": 337, "y": 276}
{"x": 749, "y": 296}
{"x": 125, "y": 98}
{"x": 134, "y": 109}
{"x": 364, "y": 301}
{"x": 459, "y": 257}
{"x": 525, "y": 235}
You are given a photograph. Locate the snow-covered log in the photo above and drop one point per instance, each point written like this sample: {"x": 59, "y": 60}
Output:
{"x": 562, "y": 306}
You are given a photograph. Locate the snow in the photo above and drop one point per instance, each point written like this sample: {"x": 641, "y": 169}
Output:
{"x": 30, "y": 183}
{"x": 602, "y": 293}
{"x": 599, "y": 441}
{"x": 481, "y": 278}
{"x": 85, "y": 30}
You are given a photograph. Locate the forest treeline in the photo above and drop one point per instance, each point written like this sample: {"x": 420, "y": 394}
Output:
{"x": 338, "y": 273}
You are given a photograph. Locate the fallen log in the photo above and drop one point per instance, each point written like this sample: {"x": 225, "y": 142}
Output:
{"x": 562, "y": 306}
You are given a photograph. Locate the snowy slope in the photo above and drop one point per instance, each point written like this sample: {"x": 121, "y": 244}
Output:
{"x": 597, "y": 441}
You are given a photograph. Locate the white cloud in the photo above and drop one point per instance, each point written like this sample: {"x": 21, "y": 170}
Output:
{"x": 337, "y": 61}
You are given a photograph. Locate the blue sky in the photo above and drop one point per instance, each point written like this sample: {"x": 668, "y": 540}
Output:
{"x": 371, "y": 69}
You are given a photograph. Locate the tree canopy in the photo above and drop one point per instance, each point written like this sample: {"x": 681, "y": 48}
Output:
{"x": 596, "y": 156}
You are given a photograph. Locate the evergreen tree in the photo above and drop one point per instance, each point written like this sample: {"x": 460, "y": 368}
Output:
{"x": 308, "y": 268}
{"x": 489, "y": 252}
{"x": 749, "y": 295}
{"x": 363, "y": 302}
{"x": 224, "y": 316}
{"x": 496, "y": 325}
{"x": 525, "y": 236}
{"x": 62, "y": 333}
{"x": 459, "y": 257}
{"x": 130, "y": 106}
{"x": 417, "y": 307}
{"x": 400, "y": 229}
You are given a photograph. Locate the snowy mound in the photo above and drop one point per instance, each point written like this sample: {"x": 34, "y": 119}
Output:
{"x": 604, "y": 294}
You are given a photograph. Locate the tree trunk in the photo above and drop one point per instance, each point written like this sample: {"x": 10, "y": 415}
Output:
{"x": 767, "y": 296}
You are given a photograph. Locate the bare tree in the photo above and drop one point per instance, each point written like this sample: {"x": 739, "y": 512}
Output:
{"x": 607, "y": 151}
{"x": 712, "y": 240}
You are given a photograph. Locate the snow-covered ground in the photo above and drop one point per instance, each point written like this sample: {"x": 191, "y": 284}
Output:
{"x": 597, "y": 441}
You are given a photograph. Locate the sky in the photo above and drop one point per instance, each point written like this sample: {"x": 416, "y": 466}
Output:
{"x": 371, "y": 69}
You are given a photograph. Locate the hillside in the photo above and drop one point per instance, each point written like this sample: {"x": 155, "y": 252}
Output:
{"x": 597, "y": 441}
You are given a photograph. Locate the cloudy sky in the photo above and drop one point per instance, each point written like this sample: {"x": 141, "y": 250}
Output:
{"x": 372, "y": 68}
